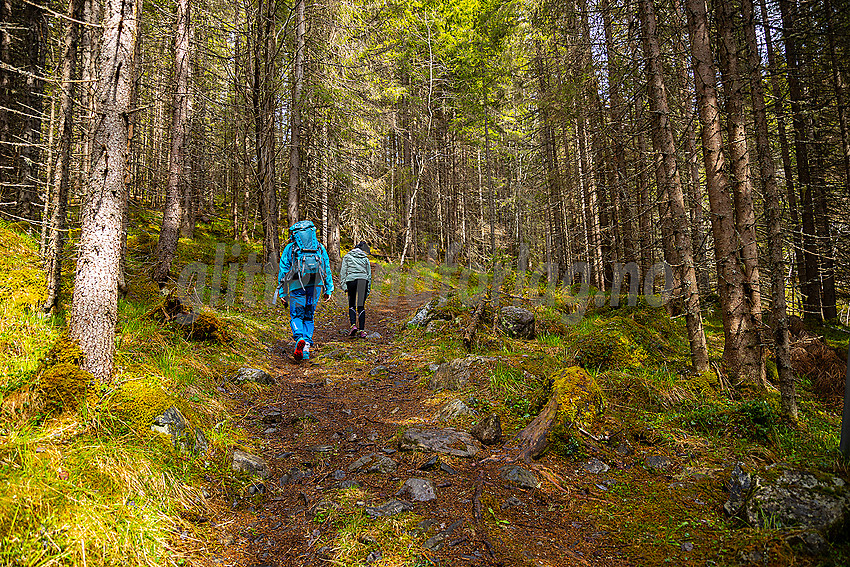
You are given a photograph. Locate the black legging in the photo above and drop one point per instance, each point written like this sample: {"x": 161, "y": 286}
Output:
{"x": 358, "y": 291}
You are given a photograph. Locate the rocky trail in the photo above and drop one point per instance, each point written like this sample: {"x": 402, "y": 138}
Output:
{"x": 333, "y": 423}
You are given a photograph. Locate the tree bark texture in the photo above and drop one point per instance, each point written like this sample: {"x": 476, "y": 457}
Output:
{"x": 172, "y": 214}
{"x": 739, "y": 168}
{"x": 730, "y": 276}
{"x": 59, "y": 183}
{"x": 95, "y": 300}
{"x": 681, "y": 248}
{"x": 773, "y": 214}
{"x": 295, "y": 110}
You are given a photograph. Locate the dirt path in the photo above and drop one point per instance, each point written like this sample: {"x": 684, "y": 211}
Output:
{"x": 341, "y": 406}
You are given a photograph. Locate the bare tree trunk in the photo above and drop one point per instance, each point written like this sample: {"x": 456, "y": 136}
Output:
{"x": 59, "y": 183}
{"x": 810, "y": 288}
{"x": 295, "y": 120}
{"x": 94, "y": 308}
{"x": 745, "y": 216}
{"x": 647, "y": 256}
{"x": 773, "y": 212}
{"x": 681, "y": 249}
{"x": 790, "y": 189}
{"x": 726, "y": 246}
{"x": 172, "y": 214}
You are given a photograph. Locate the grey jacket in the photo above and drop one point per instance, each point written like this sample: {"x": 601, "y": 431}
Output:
{"x": 355, "y": 266}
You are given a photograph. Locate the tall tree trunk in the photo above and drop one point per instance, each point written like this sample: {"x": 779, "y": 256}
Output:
{"x": 681, "y": 251}
{"x": 726, "y": 245}
{"x": 94, "y": 308}
{"x": 773, "y": 213}
{"x": 810, "y": 288}
{"x": 840, "y": 92}
{"x": 172, "y": 214}
{"x": 295, "y": 119}
{"x": 31, "y": 105}
{"x": 7, "y": 154}
{"x": 790, "y": 189}
{"x": 264, "y": 99}
{"x": 59, "y": 183}
{"x": 647, "y": 256}
{"x": 745, "y": 216}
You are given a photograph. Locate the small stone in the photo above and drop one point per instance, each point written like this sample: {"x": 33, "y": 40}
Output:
{"x": 446, "y": 468}
{"x": 595, "y": 466}
{"x": 252, "y": 375}
{"x": 519, "y": 476}
{"x": 657, "y": 463}
{"x": 418, "y": 490}
{"x": 430, "y": 464}
{"x": 248, "y": 463}
{"x": 349, "y": 484}
{"x": 389, "y": 508}
{"x": 339, "y": 475}
{"x": 687, "y": 547}
{"x": 378, "y": 370}
{"x": 510, "y": 503}
{"x": 374, "y": 555}
{"x": 488, "y": 430}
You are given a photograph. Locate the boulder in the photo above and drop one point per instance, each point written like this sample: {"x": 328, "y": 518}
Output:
{"x": 389, "y": 508}
{"x": 800, "y": 499}
{"x": 186, "y": 439}
{"x": 449, "y": 441}
{"x": 516, "y": 322}
{"x": 488, "y": 430}
{"x": 453, "y": 410}
{"x": 425, "y": 314}
{"x": 452, "y": 375}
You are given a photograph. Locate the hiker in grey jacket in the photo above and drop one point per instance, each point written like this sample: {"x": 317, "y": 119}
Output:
{"x": 355, "y": 276}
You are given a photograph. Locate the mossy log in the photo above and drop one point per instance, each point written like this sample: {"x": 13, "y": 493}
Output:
{"x": 576, "y": 399}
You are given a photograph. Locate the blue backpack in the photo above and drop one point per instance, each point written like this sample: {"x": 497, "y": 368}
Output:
{"x": 306, "y": 263}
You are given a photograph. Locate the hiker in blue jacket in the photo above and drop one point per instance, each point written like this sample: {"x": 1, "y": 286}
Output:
{"x": 305, "y": 272}
{"x": 355, "y": 276}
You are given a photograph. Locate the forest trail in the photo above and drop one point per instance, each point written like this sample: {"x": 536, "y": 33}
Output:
{"x": 350, "y": 401}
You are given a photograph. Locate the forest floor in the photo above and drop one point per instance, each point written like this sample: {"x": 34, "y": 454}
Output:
{"x": 607, "y": 505}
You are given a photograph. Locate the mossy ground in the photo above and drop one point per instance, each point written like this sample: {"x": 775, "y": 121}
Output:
{"x": 96, "y": 483}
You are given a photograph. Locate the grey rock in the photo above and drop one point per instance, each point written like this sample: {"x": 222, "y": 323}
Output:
{"x": 435, "y": 542}
{"x": 488, "y": 430}
{"x": 449, "y": 441}
{"x": 595, "y": 466}
{"x": 430, "y": 464}
{"x": 739, "y": 485}
{"x": 389, "y": 508}
{"x": 349, "y": 484}
{"x": 453, "y": 410}
{"x": 272, "y": 416}
{"x": 322, "y": 448}
{"x": 452, "y": 375}
{"x": 339, "y": 475}
{"x": 687, "y": 547}
{"x": 425, "y": 313}
{"x": 510, "y": 503}
{"x": 373, "y": 463}
{"x": 418, "y": 490}
{"x": 446, "y": 468}
{"x": 657, "y": 463}
{"x": 516, "y": 322}
{"x": 186, "y": 439}
{"x": 799, "y": 499}
{"x": 248, "y": 463}
{"x": 519, "y": 476}
{"x": 378, "y": 370}
{"x": 252, "y": 375}
{"x": 374, "y": 555}
{"x": 810, "y": 542}
{"x": 374, "y": 335}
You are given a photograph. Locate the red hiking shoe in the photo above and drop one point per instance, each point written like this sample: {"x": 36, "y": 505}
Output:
{"x": 299, "y": 349}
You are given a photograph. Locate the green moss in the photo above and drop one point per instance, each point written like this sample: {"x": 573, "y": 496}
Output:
{"x": 64, "y": 351}
{"x": 63, "y": 387}
{"x": 135, "y": 405}
{"x": 581, "y": 397}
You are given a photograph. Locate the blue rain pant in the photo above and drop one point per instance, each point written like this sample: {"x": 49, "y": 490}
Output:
{"x": 302, "y": 307}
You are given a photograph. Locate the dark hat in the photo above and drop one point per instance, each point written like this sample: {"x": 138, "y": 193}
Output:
{"x": 364, "y": 246}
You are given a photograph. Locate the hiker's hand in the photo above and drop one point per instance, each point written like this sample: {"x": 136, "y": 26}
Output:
{"x": 327, "y": 297}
